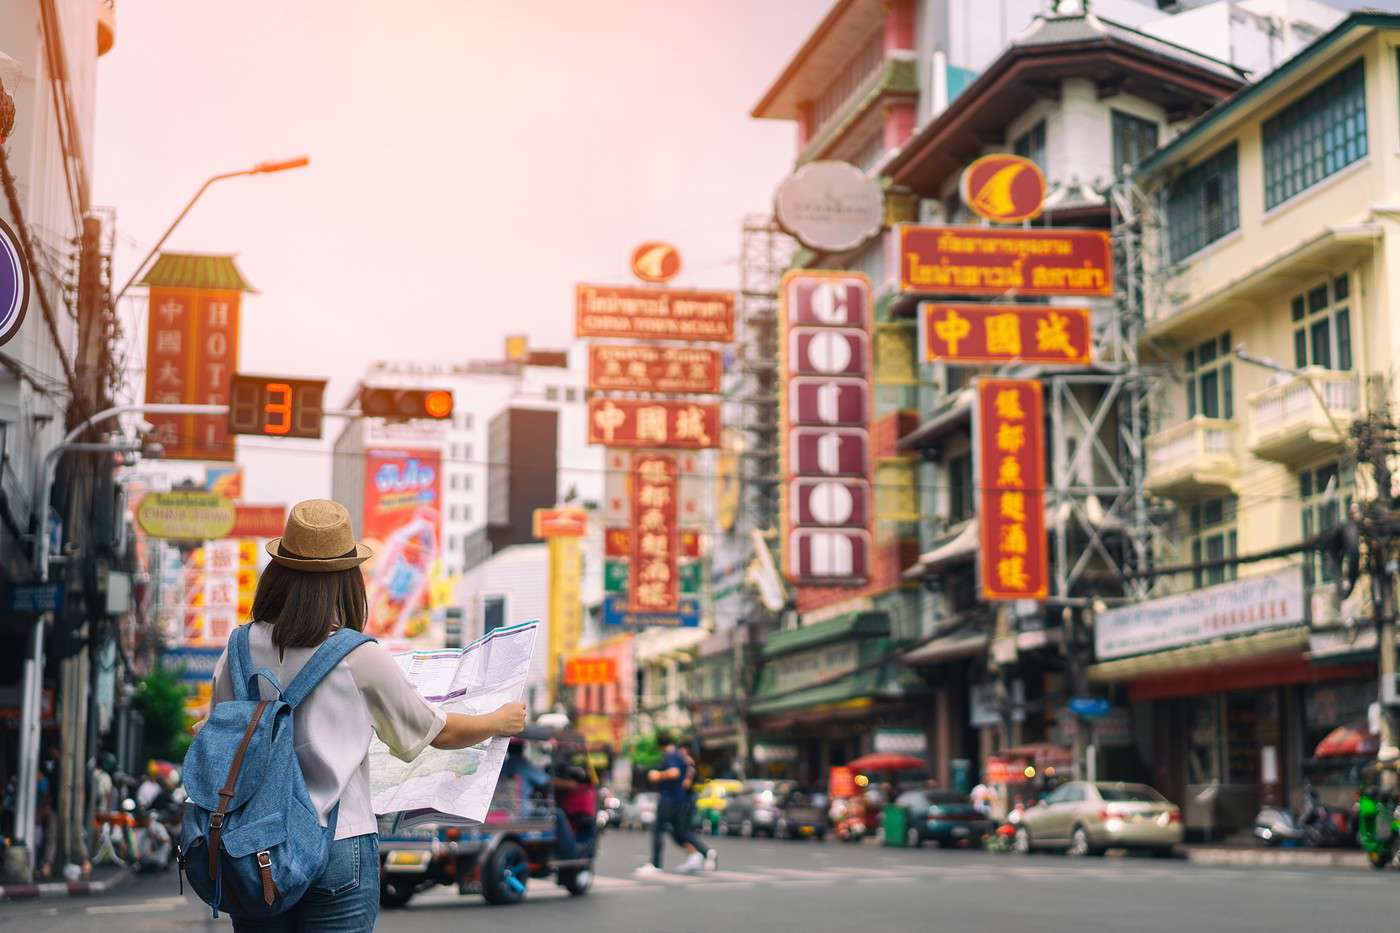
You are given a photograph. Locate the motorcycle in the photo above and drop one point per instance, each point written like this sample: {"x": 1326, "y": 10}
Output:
{"x": 848, "y": 820}
{"x": 1377, "y": 806}
{"x": 1315, "y": 825}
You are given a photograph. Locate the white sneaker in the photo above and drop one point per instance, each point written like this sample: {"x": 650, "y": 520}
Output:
{"x": 712, "y": 860}
{"x": 647, "y": 870}
{"x": 692, "y": 864}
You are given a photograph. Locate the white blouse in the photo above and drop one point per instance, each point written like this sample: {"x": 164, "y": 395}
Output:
{"x": 367, "y": 694}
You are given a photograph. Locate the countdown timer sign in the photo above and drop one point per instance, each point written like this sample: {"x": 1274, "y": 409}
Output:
{"x": 276, "y": 406}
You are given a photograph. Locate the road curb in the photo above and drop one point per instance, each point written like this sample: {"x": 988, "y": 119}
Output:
{"x": 1298, "y": 858}
{"x": 29, "y": 892}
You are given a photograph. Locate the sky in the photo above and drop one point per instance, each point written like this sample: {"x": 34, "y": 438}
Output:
{"x": 470, "y": 161}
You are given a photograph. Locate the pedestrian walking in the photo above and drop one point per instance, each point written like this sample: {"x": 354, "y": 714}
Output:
{"x": 673, "y": 812}
{"x": 305, "y": 600}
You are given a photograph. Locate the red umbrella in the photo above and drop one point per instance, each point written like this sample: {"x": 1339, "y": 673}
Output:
{"x": 887, "y": 761}
{"x": 1354, "y": 740}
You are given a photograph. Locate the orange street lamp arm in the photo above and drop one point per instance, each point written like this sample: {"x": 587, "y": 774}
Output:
{"x": 262, "y": 168}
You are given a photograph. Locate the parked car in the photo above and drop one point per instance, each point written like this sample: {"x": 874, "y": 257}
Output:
{"x": 1083, "y": 818}
{"x": 801, "y": 814}
{"x": 711, "y": 799}
{"x": 943, "y": 817}
{"x": 754, "y": 811}
{"x": 640, "y": 811}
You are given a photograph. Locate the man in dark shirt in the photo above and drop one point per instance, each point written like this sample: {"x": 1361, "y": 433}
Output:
{"x": 672, "y": 810}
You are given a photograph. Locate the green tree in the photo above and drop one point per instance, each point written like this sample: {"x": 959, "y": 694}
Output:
{"x": 160, "y": 699}
{"x": 644, "y": 751}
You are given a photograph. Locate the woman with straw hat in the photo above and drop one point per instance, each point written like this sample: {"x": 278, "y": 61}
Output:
{"x": 312, "y": 588}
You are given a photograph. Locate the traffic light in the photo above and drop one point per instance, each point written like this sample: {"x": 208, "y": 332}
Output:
{"x": 406, "y": 404}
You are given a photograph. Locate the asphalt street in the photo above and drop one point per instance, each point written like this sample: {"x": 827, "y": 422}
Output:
{"x": 809, "y": 886}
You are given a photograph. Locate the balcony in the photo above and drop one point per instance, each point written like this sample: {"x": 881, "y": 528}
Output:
{"x": 1289, "y": 424}
{"x": 1193, "y": 459}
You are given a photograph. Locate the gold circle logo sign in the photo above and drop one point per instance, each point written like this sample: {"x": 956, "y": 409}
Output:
{"x": 1003, "y": 188}
{"x": 656, "y": 262}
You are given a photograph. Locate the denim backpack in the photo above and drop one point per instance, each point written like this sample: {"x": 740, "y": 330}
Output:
{"x": 251, "y": 842}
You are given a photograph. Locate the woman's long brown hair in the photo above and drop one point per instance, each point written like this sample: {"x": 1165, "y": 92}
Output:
{"x": 305, "y": 607}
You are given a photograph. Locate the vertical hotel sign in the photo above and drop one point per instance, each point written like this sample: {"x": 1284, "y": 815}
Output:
{"x": 1011, "y": 477}
{"x": 654, "y": 585}
{"x": 825, "y": 407}
{"x": 192, "y": 351}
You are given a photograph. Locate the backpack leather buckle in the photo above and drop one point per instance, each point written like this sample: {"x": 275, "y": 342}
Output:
{"x": 216, "y": 820}
{"x": 264, "y": 859}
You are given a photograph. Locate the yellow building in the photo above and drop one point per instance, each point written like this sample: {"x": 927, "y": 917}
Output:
{"x": 1272, "y": 233}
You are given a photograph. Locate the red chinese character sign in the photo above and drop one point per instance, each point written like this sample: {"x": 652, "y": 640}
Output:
{"x": 655, "y": 545}
{"x": 648, "y": 368}
{"x": 826, "y": 404}
{"x": 191, "y": 354}
{"x": 1011, "y": 478}
{"x": 625, "y": 422}
{"x": 976, "y": 334}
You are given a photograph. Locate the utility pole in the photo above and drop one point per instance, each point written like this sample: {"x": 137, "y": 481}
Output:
{"x": 1374, "y": 437}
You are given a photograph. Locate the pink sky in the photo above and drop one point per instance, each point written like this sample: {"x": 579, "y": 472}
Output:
{"x": 470, "y": 161}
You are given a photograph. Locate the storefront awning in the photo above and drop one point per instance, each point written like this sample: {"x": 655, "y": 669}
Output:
{"x": 1294, "y": 638}
{"x": 956, "y": 548}
{"x": 948, "y": 648}
{"x": 847, "y": 689}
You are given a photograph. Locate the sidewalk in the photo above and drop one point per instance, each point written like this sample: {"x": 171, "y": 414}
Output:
{"x": 1259, "y": 855}
{"x": 104, "y": 879}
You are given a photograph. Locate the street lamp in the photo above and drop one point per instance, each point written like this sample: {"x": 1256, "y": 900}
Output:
{"x": 262, "y": 168}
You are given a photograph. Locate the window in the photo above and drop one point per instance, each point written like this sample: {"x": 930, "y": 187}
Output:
{"x": 1322, "y": 325}
{"x": 493, "y": 613}
{"x": 467, "y": 421}
{"x": 1325, "y": 493}
{"x": 467, "y": 456}
{"x": 1203, "y": 204}
{"x": 960, "y": 495}
{"x": 452, "y": 481}
{"x": 466, "y": 513}
{"x": 1133, "y": 140}
{"x": 571, "y": 394}
{"x": 1210, "y": 389}
{"x": 1213, "y": 537}
{"x": 551, "y": 393}
{"x": 1031, "y": 144}
{"x": 1316, "y": 136}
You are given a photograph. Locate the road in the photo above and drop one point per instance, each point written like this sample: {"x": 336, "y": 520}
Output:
{"x": 808, "y": 886}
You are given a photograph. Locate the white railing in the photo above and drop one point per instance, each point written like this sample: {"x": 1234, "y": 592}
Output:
{"x": 1293, "y": 403}
{"x": 1188, "y": 442}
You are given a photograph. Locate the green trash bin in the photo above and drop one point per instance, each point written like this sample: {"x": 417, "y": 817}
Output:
{"x": 895, "y": 822}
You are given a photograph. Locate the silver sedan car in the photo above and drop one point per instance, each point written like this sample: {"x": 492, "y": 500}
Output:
{"x": 1084, "y": 818}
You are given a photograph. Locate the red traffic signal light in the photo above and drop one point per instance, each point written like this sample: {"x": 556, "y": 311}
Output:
{"x": 406, "y": 404}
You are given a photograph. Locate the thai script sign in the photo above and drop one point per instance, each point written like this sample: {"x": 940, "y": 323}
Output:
{"x": 401, "y": 523}
{"x": 826, "y": 461}
{"x": 979, "y": 261}
{"x": 976, "y": 334}
{"x": 1003, "y": 188}
{"x": 653, "y": 313}
{"x": 647, "y": 423}
{"x": 1252, "y": 604}
{"x": 654, "y": 585}
{"x": 1010, "y": 435}
{"x": 649, "y": 368}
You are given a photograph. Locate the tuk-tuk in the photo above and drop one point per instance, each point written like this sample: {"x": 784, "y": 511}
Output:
{"x": 519, "y": 839}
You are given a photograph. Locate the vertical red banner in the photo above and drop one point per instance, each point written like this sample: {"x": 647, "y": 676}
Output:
{"x": 1011, "y": 479}
{"x": 654, "y": 585}
{"x": 191, "y": 354}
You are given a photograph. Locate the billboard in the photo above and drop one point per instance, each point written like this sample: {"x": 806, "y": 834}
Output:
{"x": 654, "y": 586}
{"x": 1010, "y": 452}
{"x": 977, "y": 334}
{"x": 191, "y": 354}
{"x": 992, "y": 262}
{"x": 402, "y": 524}
{"x": 639, "y": 313}
{"x": 626, "y": 422}
{"x": 825, "y": 414}
{"x": 650, "y": 368}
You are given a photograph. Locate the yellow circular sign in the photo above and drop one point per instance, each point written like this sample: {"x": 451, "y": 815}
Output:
{"x": 186, "y": 515}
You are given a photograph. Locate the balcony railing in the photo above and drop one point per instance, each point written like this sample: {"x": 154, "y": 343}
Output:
{"x": 1193, "y": 459}
{"x": 1288, "y": 423}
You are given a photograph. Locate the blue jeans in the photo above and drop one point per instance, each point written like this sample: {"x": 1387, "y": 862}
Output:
{"x": 345, "y": 899}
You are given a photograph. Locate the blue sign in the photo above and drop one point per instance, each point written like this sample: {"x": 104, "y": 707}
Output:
{"x": 191, "y": 665}
{"x": 1090, "y": 707}
{"x": 615, "y": 612}
{"x": 34, "y": 598}
{"x": 14, "y": 284}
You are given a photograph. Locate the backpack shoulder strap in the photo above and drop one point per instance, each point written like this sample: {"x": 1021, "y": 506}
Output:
{"x": 240, "y": 662}
{"x": 332, "y": 651}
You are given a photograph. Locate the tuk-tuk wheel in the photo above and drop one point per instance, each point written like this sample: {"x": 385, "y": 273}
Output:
{"x": 504, "y": 876}
{"x": 394, "y": 893}
{"x": 576, "y": 881}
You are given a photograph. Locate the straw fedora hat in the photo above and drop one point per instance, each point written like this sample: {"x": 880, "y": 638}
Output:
{"x": 318, "y": 537}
